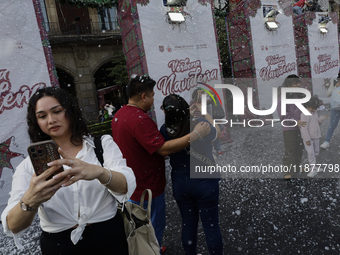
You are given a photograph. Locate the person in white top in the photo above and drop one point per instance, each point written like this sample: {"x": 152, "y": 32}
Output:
{"x": 333, "y": 92}
{"x": 110, "y": 109}
{"x": 77, "y": 207}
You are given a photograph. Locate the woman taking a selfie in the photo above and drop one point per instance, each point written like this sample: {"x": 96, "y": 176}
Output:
{"x": 77, "y": 207}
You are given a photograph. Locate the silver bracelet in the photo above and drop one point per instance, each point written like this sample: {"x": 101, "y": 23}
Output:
{"x": 198, "y": 135}
{"x": 109, "y": 179}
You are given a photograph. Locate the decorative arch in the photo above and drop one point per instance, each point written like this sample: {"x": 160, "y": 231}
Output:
{"x": 101, "y": 63}
{"x": 101, "y": 78}
{"x": 106, "y": 89}
{"x": 67, "y": 79}
{"x": 67, "y": 69}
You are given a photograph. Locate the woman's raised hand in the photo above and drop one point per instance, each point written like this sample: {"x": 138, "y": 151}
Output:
{"x": 79, "y": 170}
{"x": 40, "y": 189}
{"x": 203, "y": 128}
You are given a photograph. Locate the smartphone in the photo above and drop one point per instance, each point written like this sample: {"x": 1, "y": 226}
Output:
{"x": 42, "y": 153}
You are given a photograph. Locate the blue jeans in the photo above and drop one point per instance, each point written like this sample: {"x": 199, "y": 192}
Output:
{"x": 157, "y": 215}
{"x": 195, "y": 198}
{"x": 335, "y": 117}
{"x": 217, "y": 142}
{"x": 217, "y": 145}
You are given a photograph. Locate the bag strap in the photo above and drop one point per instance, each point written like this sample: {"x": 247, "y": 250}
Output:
{"x": 127, "y": 213}
{"x": 149, "y": 201}
{"x": 98, "y": 149}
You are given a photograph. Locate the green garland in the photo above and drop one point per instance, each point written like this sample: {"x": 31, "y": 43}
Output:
{"x": 90, "y": 3}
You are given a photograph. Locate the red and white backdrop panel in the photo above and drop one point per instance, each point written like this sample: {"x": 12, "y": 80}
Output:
{"x": 273, "y": 51}
{"x": 179, "y": 56}
{"x": 260, "y": 58}
{"x": 23, "y": 69}
{"x": 324, "y": 53}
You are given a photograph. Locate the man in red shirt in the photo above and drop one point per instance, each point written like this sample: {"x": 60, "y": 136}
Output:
{"x": 144, "y": 147}
{"x": 297, "y": 7}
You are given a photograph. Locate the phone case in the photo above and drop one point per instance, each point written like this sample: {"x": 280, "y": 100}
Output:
{"x": 42, "y": 153}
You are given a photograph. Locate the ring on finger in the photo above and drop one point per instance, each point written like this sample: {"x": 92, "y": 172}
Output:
{"x": 72, "y": 161}
{"x": 54, "y": 189}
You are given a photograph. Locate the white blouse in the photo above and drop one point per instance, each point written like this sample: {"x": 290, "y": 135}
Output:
{"x": 80, "y": 203}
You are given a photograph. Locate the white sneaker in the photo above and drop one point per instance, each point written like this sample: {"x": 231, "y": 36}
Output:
{"x": 312, "y": 174}
{"x": 325, "y": 145}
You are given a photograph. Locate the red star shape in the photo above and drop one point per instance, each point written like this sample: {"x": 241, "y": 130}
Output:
{"x": 6, "y": 155}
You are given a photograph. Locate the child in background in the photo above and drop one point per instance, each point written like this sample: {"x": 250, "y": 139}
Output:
{"x": 311, "y": 133}
{"x": 102, "y": 113}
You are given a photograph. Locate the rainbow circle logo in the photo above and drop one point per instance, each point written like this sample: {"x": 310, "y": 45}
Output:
{"x": 209, "y": 93}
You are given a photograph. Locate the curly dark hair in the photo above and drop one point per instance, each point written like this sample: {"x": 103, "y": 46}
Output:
{"x": 72, "y": 112}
